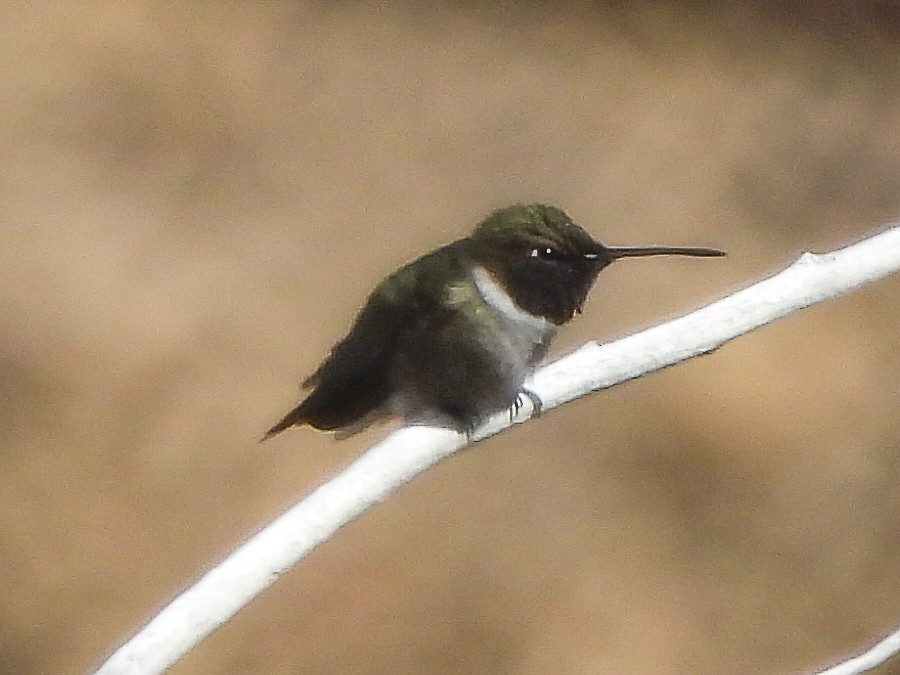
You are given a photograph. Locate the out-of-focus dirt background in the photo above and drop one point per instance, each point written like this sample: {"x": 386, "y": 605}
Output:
{"x": 195, "y": 198}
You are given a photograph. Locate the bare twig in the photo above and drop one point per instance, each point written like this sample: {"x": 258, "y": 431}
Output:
{"x": 869, "y": 659}
{"x": 221, "y": 593}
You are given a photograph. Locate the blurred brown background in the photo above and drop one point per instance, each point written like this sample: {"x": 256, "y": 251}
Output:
{"x": 195, "y": 198}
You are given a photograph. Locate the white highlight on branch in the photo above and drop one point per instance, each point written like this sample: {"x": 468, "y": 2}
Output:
{"x": 870, "y": 659}
{"x": 255, "y": 565}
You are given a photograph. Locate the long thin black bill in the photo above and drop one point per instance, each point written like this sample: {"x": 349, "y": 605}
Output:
{"x": 636, "y": 252}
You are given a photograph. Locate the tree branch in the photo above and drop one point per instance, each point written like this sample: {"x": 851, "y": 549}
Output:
{"x": 404, "y": 454}
{"x": 872, "y": 658}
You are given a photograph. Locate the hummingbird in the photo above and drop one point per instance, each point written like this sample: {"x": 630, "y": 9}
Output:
{"x": 450, "y": 338}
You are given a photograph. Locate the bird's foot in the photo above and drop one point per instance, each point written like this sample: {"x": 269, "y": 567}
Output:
{"x": 537, "y": 405}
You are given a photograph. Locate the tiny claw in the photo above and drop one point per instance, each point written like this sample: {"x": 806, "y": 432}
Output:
{"x": 515, "y": 407}
{"x": 537, "y": 405}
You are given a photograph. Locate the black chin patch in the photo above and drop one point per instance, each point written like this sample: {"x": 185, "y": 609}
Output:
{"x": 554, "y": 290}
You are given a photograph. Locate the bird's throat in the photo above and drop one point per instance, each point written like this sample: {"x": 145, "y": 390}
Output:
{"x": 502, "y": 302}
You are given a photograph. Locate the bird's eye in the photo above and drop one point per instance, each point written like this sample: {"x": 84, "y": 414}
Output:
{"x": 542, "y": 253}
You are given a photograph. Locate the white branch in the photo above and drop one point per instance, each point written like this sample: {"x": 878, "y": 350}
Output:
{"x": 221, "y": 593}
{"x": 870, "y": 659}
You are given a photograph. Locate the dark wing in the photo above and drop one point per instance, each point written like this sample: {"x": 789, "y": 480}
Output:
{"x": 354, "y": 381}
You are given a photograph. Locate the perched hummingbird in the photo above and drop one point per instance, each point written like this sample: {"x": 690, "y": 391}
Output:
{"x": 450, "y": 338}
